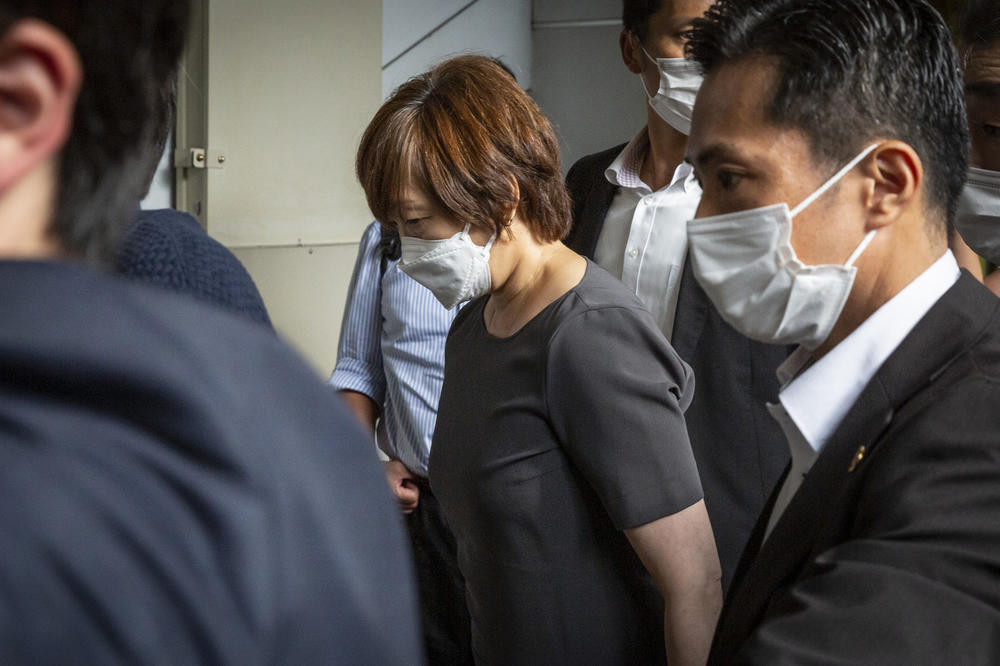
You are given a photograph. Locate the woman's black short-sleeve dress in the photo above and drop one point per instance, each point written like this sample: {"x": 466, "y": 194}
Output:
{"x": 548, "y": 444}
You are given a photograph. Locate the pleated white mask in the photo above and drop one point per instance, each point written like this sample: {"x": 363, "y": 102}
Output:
{"x": 454, "y": 269}
{"x": 673, "y": 101}
{"x": 978, "y": 217}
{"x": 746, "y": 264}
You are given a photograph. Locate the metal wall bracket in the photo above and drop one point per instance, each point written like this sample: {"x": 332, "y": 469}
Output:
{"x": 199, "y": 158}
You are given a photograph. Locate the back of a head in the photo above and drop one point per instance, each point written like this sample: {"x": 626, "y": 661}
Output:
{"x": 466, "y": 134}
{"x": 129, "y": 50}
{"x": 850, "y": 72}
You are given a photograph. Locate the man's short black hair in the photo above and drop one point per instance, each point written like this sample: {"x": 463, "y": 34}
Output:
{"x": 980, "y": 24}
{"x": 636, "y": 13}
{"x": 128, "y": 48}
{"x": 850, "y": 72}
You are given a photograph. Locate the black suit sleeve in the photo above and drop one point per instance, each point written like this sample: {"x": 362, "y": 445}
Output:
{"x": 917, "y": 581}
{"x": 576, "y": 182}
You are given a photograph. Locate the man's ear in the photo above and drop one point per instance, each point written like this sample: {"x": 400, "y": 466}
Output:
{"x": 896, "y": 180}
{"x": 627, "y": 43}
{"x": 40, "y": 77}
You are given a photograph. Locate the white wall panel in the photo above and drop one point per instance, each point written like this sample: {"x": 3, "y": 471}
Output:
{"x": 304, "y": 289}
{"x": 576, "y": 10}
{"x": 581, "y": 83}
{"x": 291, "y": 87}
{"x": 285, "y": 90}
{"x": 498, "y": 28}
{"x": 405, "y": 22}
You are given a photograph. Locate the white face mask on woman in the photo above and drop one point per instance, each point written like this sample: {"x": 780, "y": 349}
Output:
{"x": 978, "y": 217}
{"x": 746, "y": 264}
{"x": 454, "y": 269}
{"x": 680, "y": 80}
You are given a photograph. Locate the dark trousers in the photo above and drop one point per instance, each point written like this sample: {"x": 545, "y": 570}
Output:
{"x": 446, "y": 625}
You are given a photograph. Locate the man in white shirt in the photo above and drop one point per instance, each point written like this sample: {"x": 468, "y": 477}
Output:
{"x": 830, "y": 139}
{"x": 631, "y": 205}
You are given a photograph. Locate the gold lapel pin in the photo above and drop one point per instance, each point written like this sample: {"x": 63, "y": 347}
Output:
{"x": 858, "y": 457}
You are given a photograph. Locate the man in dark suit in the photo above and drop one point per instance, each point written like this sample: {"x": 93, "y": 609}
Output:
{"x": 176, "y": 486}
{"x": 630, "y": 207}
{"x": 881, "y": 544}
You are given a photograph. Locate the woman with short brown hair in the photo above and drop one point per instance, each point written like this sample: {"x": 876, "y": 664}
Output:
{"x": 560, "y": 455}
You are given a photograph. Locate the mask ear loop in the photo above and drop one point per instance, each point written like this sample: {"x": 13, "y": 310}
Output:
{"x": 861, "y": 248}
{"x": 655, "y": 61}
{"x": 489, "y": 245}
{"x": 642, "y": 81}
{"x": 833, "y": 181}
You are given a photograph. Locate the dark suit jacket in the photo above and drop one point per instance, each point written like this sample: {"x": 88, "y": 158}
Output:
{"x": 889, "y": 553}
{"x": 177, "y": 487}
{"x": 739, "y": 448}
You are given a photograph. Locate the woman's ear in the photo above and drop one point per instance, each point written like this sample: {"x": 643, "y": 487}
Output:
{"x": 896, "y": 179}
{"x": 511, "y": 213}
{"x": 40, "y": 78}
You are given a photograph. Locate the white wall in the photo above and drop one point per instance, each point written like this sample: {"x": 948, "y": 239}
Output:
{"x": 305, "y": 289}
{"x": 289, "y": 90}
{"x": 414, "y": 37}
{"x": 579, "y": 79}
{"x": 161, "y": 190}
{"x": 404, "y": 22}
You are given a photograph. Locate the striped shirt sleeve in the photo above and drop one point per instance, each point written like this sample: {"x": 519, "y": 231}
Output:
{"x": 359, "y": 353}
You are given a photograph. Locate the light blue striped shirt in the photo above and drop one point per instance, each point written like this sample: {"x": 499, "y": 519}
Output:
{"x": 392, "y": 350}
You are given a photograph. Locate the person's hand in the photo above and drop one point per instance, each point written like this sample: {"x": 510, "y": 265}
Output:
{"x": 401, "y": 481}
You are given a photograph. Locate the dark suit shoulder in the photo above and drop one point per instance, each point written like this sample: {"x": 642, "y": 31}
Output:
{"x": 590, "y": 195}
{"x": 908, "y": 533}
{"x": 588, "y": 167}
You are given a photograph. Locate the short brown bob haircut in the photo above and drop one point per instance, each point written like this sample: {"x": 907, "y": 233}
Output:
{"x": 465, "y": 132}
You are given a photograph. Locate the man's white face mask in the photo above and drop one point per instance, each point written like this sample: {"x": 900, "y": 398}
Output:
{"x": 746, "y": 264}
{"x": 978, "y": 217}
{"x": 454, "y": 269}
{"x": 673, "y": 101}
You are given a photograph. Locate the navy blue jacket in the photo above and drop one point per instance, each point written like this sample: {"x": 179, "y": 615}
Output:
{"x": 177, "y": 487}
{"x": 169, "y": 248}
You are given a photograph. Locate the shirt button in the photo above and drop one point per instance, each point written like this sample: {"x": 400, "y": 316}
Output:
{"x": 648, "y": 200}
{"x": 633, "y": 253}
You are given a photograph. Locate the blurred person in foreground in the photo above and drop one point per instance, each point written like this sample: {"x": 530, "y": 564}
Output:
{"x": 831, "y": 143}
{"x": 176, "y": 486}
{"x": 560, "y": 454}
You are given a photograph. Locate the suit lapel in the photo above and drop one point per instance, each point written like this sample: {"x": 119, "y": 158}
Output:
{"x": 952, "y": 325}
{"x": 767, "y": 566}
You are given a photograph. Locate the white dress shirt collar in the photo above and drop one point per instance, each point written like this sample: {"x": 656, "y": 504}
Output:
{"x": 624, "y": 170}
{"x": 815, "y": 399}
{"x": 643, "y": 240}
{"x": 818, "y": 397}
